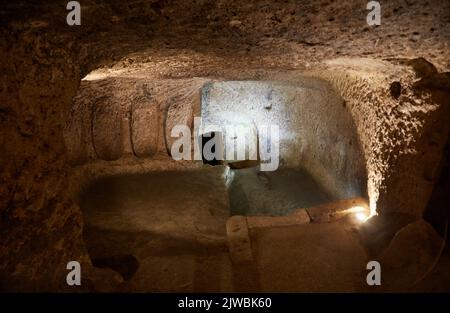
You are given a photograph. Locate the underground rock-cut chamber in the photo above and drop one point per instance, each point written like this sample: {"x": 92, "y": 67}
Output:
{"x": 171, "y": 218}
{"x": 319, "y": 156}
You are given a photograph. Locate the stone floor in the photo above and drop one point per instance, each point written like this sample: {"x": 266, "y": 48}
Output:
{"x": 273, "y": 193}
{"x": 173, "y": 223}
{"x": 166, "y": 232}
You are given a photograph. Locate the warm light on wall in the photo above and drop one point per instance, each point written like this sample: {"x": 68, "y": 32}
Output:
{"x": 361, "y": 216}
{"x": 360, "y": 213}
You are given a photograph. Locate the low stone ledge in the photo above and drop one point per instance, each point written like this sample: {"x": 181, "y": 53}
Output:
{"x": 239, "y": 243}
{"x": 299, "y": 217}
{"x": 335, "y": 210}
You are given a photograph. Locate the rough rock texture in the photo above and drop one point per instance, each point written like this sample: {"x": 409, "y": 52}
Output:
{"x": 40, "y": 227}
{"x": 411, "y": 256}
{"x": 43, "y": 60}
{"x": 316, "y": 132}
{"x": 437, "y": 212}
{"x": 396, "y": 135}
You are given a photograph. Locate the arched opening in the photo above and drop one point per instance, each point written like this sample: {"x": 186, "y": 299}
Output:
{"x": 268, "y": 149}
